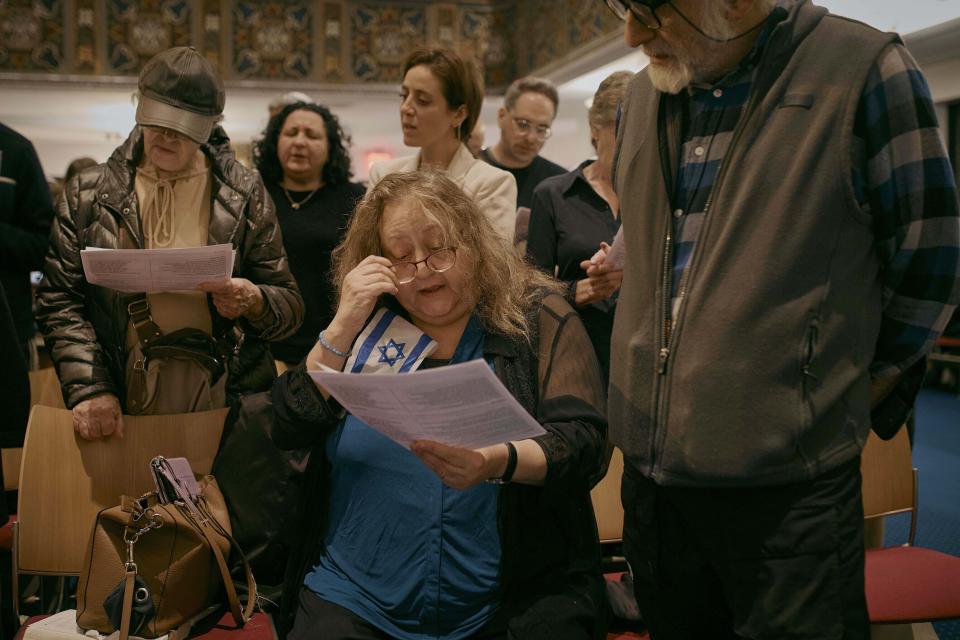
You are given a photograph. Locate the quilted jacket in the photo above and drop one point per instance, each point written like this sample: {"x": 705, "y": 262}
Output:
{"x": 85, "y": 326}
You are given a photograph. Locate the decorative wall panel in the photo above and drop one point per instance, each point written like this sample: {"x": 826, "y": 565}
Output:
{"x": 322, "y": 41}
{"x": 31, "y": 35}
{"x": 553, "y": 28}
{"x": 488, "y": 35}
{"x": 383, "y": 35}
{"x": 139, "y": 29}
{"x": 272, "y": 40}
{"x": 85, "y": 53}
{"x": 211, "y": 32}
{"x": 332, "y": 56}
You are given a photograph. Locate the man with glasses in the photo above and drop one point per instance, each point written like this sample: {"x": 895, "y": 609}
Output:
{"x": 791, "y": 228}
{"x": 529, "y": 107}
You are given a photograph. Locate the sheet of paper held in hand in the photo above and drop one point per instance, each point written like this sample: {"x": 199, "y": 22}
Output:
{"x": 154, "y": 270}
{"x": 462, "y": 405}
{"x": 616, "y": 258}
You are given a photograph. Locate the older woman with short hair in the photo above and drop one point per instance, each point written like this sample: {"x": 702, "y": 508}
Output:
{"x": 441, "y": 97}
{"x": 413, "y": 543}
{"x": 576, "y": 213}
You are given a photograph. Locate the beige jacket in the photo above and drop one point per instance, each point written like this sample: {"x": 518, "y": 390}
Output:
{"x": 494, "y": 190}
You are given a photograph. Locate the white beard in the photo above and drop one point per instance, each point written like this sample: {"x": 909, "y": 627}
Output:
{"x": 672, "y": 78}
{"x": 692, "y": 64}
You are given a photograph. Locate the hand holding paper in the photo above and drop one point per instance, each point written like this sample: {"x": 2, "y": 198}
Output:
{"x": 608, "y": 258}
{"x": 154, "y": 270}
{"x": 458, "y": 467}
{"x": 461, "y": 405}
{"x": 235, "y": 297}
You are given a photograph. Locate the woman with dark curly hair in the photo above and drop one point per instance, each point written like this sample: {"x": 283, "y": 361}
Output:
{"x": 305, "y": 164}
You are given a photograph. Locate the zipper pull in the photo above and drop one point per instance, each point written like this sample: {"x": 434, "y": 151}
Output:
{"x": 662, "y": 359}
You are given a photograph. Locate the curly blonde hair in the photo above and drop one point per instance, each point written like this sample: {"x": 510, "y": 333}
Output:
{"x": 504, "y": 286}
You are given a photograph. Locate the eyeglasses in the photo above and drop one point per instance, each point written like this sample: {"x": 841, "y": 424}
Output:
{"x": 439, "y": 261}
{"x": 644, "y": 11}
{"x": 164, "y": 132}
{"x": 525, "y": 127}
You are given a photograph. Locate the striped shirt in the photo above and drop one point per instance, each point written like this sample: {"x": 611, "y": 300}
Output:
{"x": 901, "y": 176}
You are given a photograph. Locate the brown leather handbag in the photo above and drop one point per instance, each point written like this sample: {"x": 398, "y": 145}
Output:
{"x": 153, "y": 568}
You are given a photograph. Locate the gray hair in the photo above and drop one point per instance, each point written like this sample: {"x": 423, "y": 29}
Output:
{"x": 530, "y": 84}
{"x": 603, "y": 108}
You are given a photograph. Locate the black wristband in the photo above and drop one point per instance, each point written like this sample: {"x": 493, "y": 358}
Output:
{"x": 511, "y": 463}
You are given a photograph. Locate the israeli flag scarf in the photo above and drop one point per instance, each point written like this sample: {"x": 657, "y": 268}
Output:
{"x": 389, "y": 344}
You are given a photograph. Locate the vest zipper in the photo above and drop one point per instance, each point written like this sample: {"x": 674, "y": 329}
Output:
{"x": 669, "y": 327}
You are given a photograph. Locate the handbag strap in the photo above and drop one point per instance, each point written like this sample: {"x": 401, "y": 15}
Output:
{"x": 240, "y": 616}
{"x": 127, "y": 611}
{"x": 139, "y": 309}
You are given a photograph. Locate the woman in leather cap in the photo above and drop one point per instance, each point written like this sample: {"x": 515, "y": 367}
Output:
{"x": 174, "y": 183}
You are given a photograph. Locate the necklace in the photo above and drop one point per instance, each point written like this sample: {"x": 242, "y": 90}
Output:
{"x": 296, "y": 205}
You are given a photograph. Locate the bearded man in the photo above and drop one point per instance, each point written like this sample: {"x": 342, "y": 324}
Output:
{"x": 792, "y": 231}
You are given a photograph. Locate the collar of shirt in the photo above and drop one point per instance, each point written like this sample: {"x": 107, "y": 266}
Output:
{"x": 568, "y": 180}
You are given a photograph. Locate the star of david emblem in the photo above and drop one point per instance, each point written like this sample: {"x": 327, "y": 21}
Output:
{"x": 396, "y": 349}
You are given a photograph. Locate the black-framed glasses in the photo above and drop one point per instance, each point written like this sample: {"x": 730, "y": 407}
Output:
{"x": 525, "y": 127}
{"x": 439, "y": 261}
{"x": 645, "y": 12}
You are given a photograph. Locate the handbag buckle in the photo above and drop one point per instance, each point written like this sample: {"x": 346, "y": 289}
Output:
{"x": 130, "y": 565}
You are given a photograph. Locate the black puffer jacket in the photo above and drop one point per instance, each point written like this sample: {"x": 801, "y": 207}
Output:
{"x": 85, "y": 325}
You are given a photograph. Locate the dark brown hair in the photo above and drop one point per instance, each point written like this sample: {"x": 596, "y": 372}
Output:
{"x": 459, "y": 79}
{"x": 530, "y": 84}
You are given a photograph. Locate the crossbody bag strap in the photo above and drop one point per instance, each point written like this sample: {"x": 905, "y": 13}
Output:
{"x": 240, "y": 616}
{"x": 139, "y": 309}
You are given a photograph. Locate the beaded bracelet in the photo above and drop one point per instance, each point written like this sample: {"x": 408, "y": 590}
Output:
{"x": 332, "y": 349}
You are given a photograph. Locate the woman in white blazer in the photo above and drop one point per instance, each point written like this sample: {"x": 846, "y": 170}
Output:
{"x": 441, "y": 98}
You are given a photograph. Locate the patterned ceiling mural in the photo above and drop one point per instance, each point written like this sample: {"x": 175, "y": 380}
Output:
{"x": 32, "y": 35}
{"x": 328, "y": 41}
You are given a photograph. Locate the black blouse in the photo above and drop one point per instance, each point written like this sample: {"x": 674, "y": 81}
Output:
{"x": 310, "y": 234}
{"x": 568, "y": 221}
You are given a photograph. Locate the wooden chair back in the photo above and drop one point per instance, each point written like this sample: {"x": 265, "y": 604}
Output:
{"x": 65, "y": 480}
{"x": 45, "y": 388}
{"x": 606, "y": 501}
{"x": 889, "y": 479}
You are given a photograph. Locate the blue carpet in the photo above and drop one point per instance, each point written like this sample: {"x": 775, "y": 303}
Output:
{"x": 936, "y": 453}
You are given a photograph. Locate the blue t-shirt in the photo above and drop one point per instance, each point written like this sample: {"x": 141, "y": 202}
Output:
{"x": 403, "y": 551}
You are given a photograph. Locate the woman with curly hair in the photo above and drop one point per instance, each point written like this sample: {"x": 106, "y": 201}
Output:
{"x": 434, "y": 540}
{"x": 305, "y": 164}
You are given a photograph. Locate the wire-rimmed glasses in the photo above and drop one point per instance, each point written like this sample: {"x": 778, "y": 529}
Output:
{"x": 439, "y": 261}
{"x": 645, "y": 12}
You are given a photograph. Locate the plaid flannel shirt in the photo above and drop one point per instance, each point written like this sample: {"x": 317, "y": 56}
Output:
{"x": 901, "y": 175}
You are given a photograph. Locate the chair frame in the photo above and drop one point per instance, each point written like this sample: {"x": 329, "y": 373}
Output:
{"x": 890, "y": 487}
{"x": 890, "y": 481}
